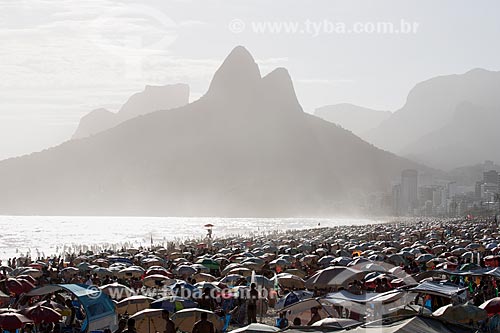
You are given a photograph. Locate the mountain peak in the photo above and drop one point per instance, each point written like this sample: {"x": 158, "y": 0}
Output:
{"x": 278, "y": 88}
{"x": 237, "y": 75}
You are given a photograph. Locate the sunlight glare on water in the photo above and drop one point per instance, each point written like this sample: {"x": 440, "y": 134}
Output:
{"x": 46, "y": 235}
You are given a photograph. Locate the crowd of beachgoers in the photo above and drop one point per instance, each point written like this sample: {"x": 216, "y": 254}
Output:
{"x": 336, "y": 277}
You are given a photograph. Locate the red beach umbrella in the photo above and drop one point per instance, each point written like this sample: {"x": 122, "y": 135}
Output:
{"x": 41, "y": 314}
{"x": 26, "y": 285}
{"x": 14, "y": 286}
{"x": 13, "y": 320}
{"x": 27, "y": 278}
{"x": 492, "y": 306}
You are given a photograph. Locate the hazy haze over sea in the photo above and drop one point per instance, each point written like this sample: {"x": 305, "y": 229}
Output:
{"x": 52, "y": 234}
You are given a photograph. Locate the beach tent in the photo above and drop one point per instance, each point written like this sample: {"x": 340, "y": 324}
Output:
{"x": 99, "y": 308}
{"x": 462, "y": 314}
{"x": 256, "y": 328}
{"x": 411, "y": 325}
{"x": 385, "y": 303}
{"x": 446, "y": 290}
{"x": 337, "y": 323}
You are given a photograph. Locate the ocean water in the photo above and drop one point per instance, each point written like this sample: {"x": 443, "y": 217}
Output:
{"x": 49, "y": 235}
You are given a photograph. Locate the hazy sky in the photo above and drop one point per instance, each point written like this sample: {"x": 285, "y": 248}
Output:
{"x": 61, "y": 59}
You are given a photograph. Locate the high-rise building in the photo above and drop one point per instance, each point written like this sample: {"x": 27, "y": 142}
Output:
{"x": 452, "y": 190}
{"x": 490, "y": 177}
{"x": 409, "y": 191}
{"x": 396, "y": 200}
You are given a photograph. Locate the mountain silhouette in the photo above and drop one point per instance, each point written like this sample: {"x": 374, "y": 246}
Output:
{"x": 245, "y": 148}
{"x": 431, "y": 105}
{"x": 352, "y": 117}
{"x": 153, "y": 98}
{"x": 470, "y": 136}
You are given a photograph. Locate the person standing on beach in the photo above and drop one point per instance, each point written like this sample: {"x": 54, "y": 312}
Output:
{"x": 169, "y": 323}
{"x": 121, "y": 326}
{"x": 130, "y": 326}
{"x": 203, "y": 325}
{"x": 252, "y": 304}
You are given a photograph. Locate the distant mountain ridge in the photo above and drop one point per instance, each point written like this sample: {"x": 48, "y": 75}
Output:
{"x": 153, "y": 98}
{"x": 429, "y": 128}
{"x": 352, "y": 117}
{"x": 245, "y": 148}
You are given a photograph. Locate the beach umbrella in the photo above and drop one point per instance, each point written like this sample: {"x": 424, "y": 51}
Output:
{"x": 31, "y": 271}
{"x": 296, "y": 272}
{"x": 396, "y": 259}
{"x": 339, "y": 323}
{"x": 28, "y": 278}
{"x": 26, "y": 285}
{"x": 491, "y": 246}
{"x": 458, "y": 251}
{"x": 468, "y": 267}
{"x": 12, "y": 321}
{"x": 290, "y": 281}
{"x": 203, "y": 285}
{"x": 133, "y": 304}
{"x": 149, "y": 321}
{"x": 256, "y": 328}
{"x": 201, "y": 277}
{"x": 186, "y": 270}
{"x": 157, "y": 280}
{"x": 492, "y": 306}
{"x": 280, "y": 262}
{"x": 39, "y": 314}
{"x": 334, "y": 276}
{"x": 358, "y": 261}
{"x": 462, "y": 314}
{"x": 208, "y": 263}
{"x": 200, "y": 268}
{"x": 14, "y": 286}
{"x": 326, "y": 260}
{"x": 467, "y": 255}
{"x": 261, "y": 280}
{"x": 101, "y": 262}
{"x": 185, "y": 319}
{"x": 229, "y": 267}
{"x": 310, "y": 258}
{"x": 424, "y": 258}
{"x": 370, "y": 267}
{"x": 231, "y": 279}
{"x": 184, "y": 289}
{"x": 117, "y": 291}
{"x": 292, "y": 297}
{"x": 173, "y": 304}
{"x": 154, "y": 270}
{"x": 252, "y": 265}
{"x": 377, "y": 257}
{"x": 132, "y": 271}
{"x": 69, "y": 272}
{"x": 83, "y": 266}
{"x": 102, "y": 271}
{"x": 241, "y": 271}
{"x": 6, "y": 269}
{"x": 341, "y": 261}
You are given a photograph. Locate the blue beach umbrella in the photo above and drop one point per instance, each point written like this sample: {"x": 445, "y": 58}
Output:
{"x": 173, "y": 304}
